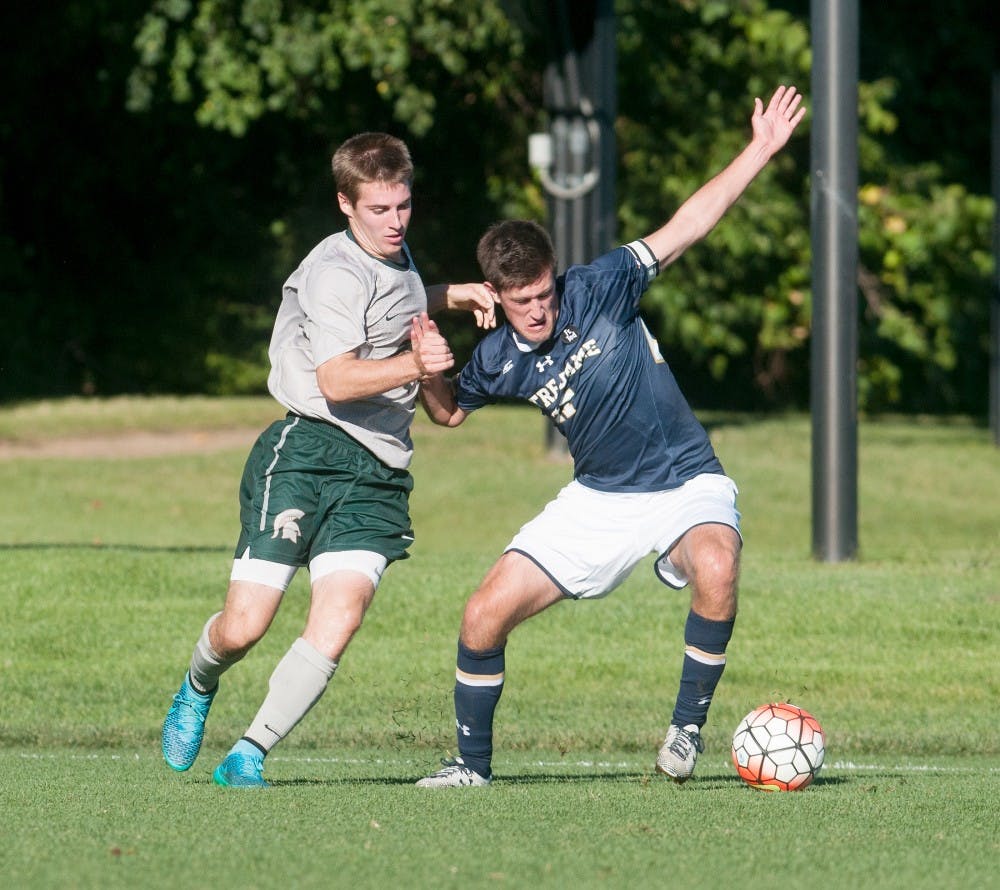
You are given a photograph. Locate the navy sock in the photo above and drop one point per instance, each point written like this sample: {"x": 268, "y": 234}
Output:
{"x": 478, "y": 684}
{"x": 705, "y": 644}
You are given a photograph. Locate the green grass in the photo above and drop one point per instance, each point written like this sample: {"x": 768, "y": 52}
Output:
{"x": 31, "y": 421}
{"x": 111, "y": 566}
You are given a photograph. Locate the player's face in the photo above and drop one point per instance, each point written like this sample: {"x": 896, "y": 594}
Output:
{"x": 532, "y": 309}
{"x": 379, "y": 218}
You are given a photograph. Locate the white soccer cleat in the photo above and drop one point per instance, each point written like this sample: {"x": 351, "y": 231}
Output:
{"x": 679, "y": 752}
{"x": 454, "y": 774}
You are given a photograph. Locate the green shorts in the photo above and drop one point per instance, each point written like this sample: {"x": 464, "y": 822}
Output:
{"x": 308, "y": 488}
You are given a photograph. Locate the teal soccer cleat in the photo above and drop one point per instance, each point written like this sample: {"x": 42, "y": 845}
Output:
{"x": 184, "y": 726}
{"x": 241, "y": 770}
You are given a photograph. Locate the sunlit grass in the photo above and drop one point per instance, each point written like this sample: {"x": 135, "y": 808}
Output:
{"x": 110, "y": 567}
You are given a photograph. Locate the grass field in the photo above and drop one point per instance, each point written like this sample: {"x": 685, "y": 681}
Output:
{"x": 112, "y": 565}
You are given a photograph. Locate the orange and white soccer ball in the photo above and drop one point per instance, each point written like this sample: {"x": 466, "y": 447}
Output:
{"x": 778, "y": 747}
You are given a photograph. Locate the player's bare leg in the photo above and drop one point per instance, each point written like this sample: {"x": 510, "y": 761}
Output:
{"x": 337, "y": 608}
{"x": 709, "y": 556}
{"x": 226, "y": 637}
{"x": 245, "y": 618}
{"x": 339, "y": 603}
{"x": 512, "y": 591}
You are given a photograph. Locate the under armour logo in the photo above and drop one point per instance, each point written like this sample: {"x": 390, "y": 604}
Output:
{"x": 542, "y": 364}
{"x": 286, "y": 524}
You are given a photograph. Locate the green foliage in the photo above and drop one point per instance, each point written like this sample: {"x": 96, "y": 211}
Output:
{"x": 451, "y": 75}
{"x": 242, "y": 60}
{"x": 146, "y": 252}
{"x": 237, "y": 361}
{"x": 925, "y": 266}
{"x": 739, "y": 306}
{"x": 735, "y": 307}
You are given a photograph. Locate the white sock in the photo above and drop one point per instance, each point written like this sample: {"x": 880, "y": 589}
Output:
{"x": 206, "y": 664}
{"x": 296, "y": 685}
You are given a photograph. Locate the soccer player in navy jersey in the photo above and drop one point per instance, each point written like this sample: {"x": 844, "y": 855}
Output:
{"x": 646, "y": 479}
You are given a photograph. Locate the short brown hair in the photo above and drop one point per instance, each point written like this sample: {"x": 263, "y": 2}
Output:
{"x": 371, "y": 157}
{"x": 514, "y": 253}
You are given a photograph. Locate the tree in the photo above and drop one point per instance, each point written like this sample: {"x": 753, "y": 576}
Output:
{"x": 450, "y": 77}
{"x": 242, "y": 60}
{"x": 127, "y": 239}
{"x": 145, "y": 251}
{"x": 740, "y": 304}
{"x": 735, "y": 309}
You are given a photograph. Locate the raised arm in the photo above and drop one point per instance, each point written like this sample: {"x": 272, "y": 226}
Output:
{"x": 698, "y": 215}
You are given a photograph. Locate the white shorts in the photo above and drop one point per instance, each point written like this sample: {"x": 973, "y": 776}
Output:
{"x": 275, "y": 574}
{"x": 588, "y": 541}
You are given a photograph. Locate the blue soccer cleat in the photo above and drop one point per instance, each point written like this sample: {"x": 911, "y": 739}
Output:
{"x": 184, "y": 726}
{"x": 241, "y": 770}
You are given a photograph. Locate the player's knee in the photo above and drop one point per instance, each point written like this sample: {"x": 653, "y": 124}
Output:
{"x": 236, "y": 638}
{"x": 720, "y": 566}
{"x": 717, "y": 556}
{"x": 350, "y": 620}
{"x": 714, "y": 575}
{"x": 481, "y": 625}
{"x": 476, "y": 615}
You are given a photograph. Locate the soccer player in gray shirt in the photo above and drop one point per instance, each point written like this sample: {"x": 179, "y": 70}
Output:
{"x": 327, "y": 486}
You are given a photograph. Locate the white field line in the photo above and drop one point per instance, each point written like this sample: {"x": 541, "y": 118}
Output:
{"x": 845, "y": 766}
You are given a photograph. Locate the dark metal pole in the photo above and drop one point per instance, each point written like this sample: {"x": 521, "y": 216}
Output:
{"x": 834, "y": 151}
{"x": 601, "y": 71}
{"x": 580, "y": 87}
{"x": 995, "y": 299}
{"x": 581, "y": 98}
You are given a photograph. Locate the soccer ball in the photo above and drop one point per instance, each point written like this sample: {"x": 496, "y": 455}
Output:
{"x": 778, "y": 747}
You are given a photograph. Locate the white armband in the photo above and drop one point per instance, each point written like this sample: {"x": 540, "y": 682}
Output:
{"x": 645, "y": 258}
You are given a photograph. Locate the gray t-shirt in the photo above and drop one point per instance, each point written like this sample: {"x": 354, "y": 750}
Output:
{"x": 341, "y": 299}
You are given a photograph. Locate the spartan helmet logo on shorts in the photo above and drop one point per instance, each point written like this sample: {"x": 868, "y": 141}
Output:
{"x": 286, "y": 524}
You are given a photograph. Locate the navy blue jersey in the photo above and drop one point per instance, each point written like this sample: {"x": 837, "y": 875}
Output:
{"x": 601, "y": 380}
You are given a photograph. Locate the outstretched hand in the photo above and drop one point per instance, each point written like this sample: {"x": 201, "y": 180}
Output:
{"x": 774, "y": 125}
{"x": 476, "y": 298}
{"x": 430, "y": 349}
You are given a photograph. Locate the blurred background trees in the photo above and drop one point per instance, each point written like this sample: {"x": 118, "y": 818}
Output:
{"x": 164, "y": 164}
